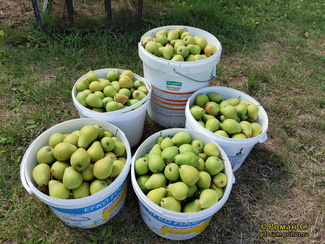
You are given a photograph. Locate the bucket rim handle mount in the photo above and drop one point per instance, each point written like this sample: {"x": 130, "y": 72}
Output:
{"x": 203, "y": 81}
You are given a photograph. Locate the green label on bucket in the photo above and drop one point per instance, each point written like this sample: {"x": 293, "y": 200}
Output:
{"x": 173, "y": 85}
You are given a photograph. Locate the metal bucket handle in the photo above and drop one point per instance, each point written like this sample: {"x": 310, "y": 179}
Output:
{"x": 203, "y": 81}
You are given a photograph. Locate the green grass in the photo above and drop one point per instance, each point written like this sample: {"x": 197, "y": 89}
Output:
{"x": 272, "y": 50}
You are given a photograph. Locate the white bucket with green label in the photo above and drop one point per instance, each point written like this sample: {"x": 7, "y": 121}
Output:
{"x": 87, "y": 212}
{"x": 177, "y": 225}
{"x": 237, "y": 150}
{"x": 174, "y": 82}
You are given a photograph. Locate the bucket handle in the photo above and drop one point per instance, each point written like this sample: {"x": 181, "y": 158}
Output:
{"x": 212, "y": 77}
{"x": 263, "y": 139}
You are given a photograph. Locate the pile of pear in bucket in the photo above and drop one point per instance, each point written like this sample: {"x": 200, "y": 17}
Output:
{"x": 116, "y": 91}
{"x": 231, "y": 118}
{"x": 182, "y": 174}
{"x": 178, "y": 45}
{"x": 79, "y": 164}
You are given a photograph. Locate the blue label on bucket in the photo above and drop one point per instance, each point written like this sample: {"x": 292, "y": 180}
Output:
{"x": 93, "y": 207}
{"x": 172, "y": 222}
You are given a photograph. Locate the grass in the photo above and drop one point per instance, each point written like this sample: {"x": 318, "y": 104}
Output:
{"x": 272, "y": 50}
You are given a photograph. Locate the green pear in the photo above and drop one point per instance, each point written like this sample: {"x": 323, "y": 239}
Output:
{"x": 172, "y": 35}
{"x": 88, "y": 134}
{"x": 210, "y": 50}
{"x": 156, "y": 149}
{"x": 241, "y": 109}
{"x": 178, "y": 44}
{"x": 138, "y": 83}
{"x": 167, "y": 52}
{"x": 72, "y": 139}
{"x": 157, "y": 194}
{"x": 118, "y": 166}
{"x": 252, "y": 112}
{"x": 188, "y": 148}
{"x": 256, "y": 129}
{"x": 220, "y": 179}
{"x": 211, "y": 149}
{"x": 141, "y": 166}
{"x": 208, "y": 198}
{"x": 145, "y": 40}
{"x": 63, "y": 151}
{"x": 166, "y": 142}
{"x": 204, "y": 181}
{"x": 156, "y": 180}
{"x": 212, "y": 108}
{"x": 201, "y": 100}
{"x": 156, "y": 163}
{"x": 107, "y": 100}
{"x": 200, "y": 41}
{"x": 215, "y": 97}
{"x": 126, "y": 92}
{"x": 206, "y": 117}
{"x": 128, "y": 73}
{"x": 141, "y": 181}
{"x": 108, "y": 134}
{"x": 80, "y": 159}
{"x": 119, "y": 148}
{"x": 95, "y": 151}
{"x": 218, "y": 190}
{"x": 201, "y": 123}
{"x": 94, "y": 101}
{"x": 189, "y": 174}
{"x": 132, "y": 101}
{"x": 58, "y": 190}
{"x": 180, "y": 30}
{"x": 42, "y": 174}
{"x": 96, "y": 86}
{"x": 161, "y": 38}
{"x": 199, "y": 145}
{"x": 201, "y": 165}
{"x": 121, "y": 98}
{"x": 221, "y": 133}
{"x": 58, "y": 168}
{"x": 194, "y": 49}
{"x": 109, "y": 91}
{"x": 144, "y": 89}
{"x": 116, "y": 85}
{"x": 103, "y": 168}
{"x": 87, "y": 173}
{"x": 105, "y": 82}
{"x": 113, "y": 75}
{"x": 138, "y": 94}
{"x": 184, "y": 34}
{"x": 188, "y": 158}
{"x": 229, "y": 112}
{"x": 98, "y": 110}
{"x": 113, "y": 106}
{"x": 71, "y": 178}
{"x": 152, "y": 47}
{"x": 45, "y": 155}
{"x": 171, "y": 172}
{"x": 82, "y": 84}
{"x": 125, "y": 81}
{"x": 183, "y": 51}
{"x": 171, "y": 203}
{"x": 192, "y": 190}
{"x": 177, "y": 57}
{"x": 214, "y": 165}
{"x": 82, "y": 191}
{"x": 100, "y": 131}
{"x": 181, "y": 137}
{"x": 238, "y": 136}
{"x": 188, "y": 40}
{"x": 231, "y": 126}
{"x": 179, "y": 190}
{"x": 107, "y": 143}
{"x": 246, "y": 128}
{"x": 97, "y": 186}
{"x": 197, "y": 112}
{"x": 212, "y": 125}
{"x": 224, "y": 103}
{"x": 91, "y": 76}
{"x": 192, "y": 207}
{"x": 55, "y": 139}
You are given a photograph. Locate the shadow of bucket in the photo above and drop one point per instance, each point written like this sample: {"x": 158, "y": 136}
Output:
{"x": 174, "y": 82}
{"x": 130, "y": 119}
{"x": 236, "y": 149}
{"x": 87, "y": 212}
{"x": 174, "y": 225}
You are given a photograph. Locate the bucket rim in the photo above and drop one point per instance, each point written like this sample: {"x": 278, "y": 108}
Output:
{"x": 180, "y": 216}
{"x": 90, "y": 112}
{"x": 81, "y": 202}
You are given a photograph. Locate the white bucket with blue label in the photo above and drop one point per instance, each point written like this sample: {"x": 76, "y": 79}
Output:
{"x": 237, "y": 150}
{"x": 87, "y": 212}
{"x": 174, "y": 82}
{"x": 177, "y": 225}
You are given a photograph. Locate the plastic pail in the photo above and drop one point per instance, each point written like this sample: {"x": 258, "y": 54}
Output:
{"x": 87, "y": 212}
{"x": 130, "y": 119}
{"x": 236, "y": 149}
{"x": 174, "y": 82}
{"x": 175, "y": 225}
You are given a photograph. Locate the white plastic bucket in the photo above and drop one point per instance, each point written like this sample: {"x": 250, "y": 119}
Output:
{"x": 174, "y": 82}
{"x": 130, "y": 120}
{"x": 87, "y": 212}
{"x": 169, "y": 224}
{"x": 236, "y": 149}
